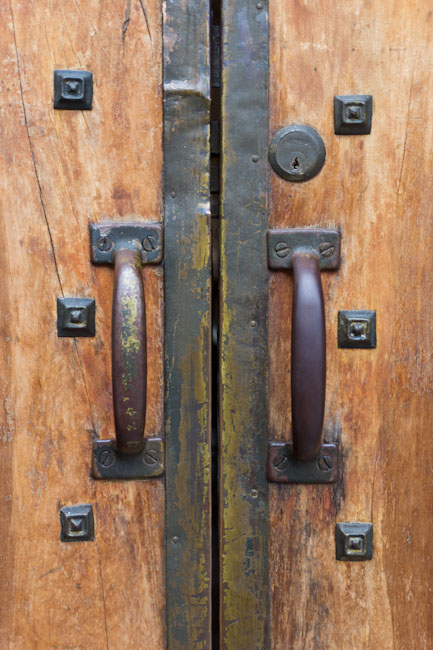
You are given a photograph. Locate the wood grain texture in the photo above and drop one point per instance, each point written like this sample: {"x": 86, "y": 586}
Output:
{"x": 378, "y": 189}
{"x": 58, "y": 170}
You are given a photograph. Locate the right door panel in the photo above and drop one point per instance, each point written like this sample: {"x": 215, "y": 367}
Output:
{"x": 377, "y": 188}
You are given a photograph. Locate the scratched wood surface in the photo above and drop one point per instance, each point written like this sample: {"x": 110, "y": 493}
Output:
{"x": 58, "y": 170}
{"x": 378, "y": 189}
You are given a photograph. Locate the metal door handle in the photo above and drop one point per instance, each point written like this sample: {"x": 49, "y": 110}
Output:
{"x": 129, "y": 351}
{"x": 306, "y": 253}
{"x": 308, "y": 371}
{"x": 128, "y": 246}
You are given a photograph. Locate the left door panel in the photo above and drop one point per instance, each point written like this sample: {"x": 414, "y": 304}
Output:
{"x": 60, "y": 169}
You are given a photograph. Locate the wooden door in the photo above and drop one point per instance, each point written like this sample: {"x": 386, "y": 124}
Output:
{"x": 125, "y": 587}
{"x": 282, "y": 586}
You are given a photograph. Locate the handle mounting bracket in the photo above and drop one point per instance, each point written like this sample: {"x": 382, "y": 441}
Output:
{"x": 324, "y": 244}
{"x": 107, "y": 463}
{"x": 106, "y": 237}
{"x": 282, "y": 467}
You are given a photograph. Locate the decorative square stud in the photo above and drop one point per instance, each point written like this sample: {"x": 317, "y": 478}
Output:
{"x": 357, "y": 329}
{"x": 354, "y": 542}
{"x": 75, "y": 317}
{"x": 352, "y": 114}
{"x": 73, "y": 89}
{"x": 77, "y": 524}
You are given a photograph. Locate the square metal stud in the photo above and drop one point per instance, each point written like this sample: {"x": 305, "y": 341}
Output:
{"x": 73, "y": 89}
{"x": 75, "y": 317}
{"x": 357, "y": 329}
{"x": 352, "y": 114}
{"x": 354, "y": 541}
{"x": 77, "y": 524}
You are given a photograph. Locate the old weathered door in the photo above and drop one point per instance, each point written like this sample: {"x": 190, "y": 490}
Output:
{"x": 346, "y": 563}
{"x": 82, "y": 560}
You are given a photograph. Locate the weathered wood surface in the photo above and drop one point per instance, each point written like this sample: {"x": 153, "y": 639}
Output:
{"x": 58, "y": 170}
{"x": 378, "y": 189}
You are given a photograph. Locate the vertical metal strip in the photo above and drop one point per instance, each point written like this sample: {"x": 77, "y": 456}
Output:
{"x": 244, "y": 489}
{"x": 187, "y": 323}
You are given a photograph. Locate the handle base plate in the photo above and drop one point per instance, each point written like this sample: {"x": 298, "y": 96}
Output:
{"x": 106, "y": 237}
{"x": 283, "y": 468}
{"x": 107, "y": 463}
{"x": 324, "y": 244}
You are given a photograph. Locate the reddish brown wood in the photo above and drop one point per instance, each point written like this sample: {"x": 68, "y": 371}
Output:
{"x": 58, "y": 170}
{"x": 379, "y": 402}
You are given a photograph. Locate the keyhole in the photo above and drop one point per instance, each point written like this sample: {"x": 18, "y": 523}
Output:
{"x": 295, "y": 163}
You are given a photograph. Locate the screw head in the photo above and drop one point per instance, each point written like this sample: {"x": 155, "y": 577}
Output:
{"x": 280, "y": 462}
{"x": 149, "y": 244}
{"x": 75, "y": 316}
{"x": 281, "y": 249}
{"x": 357, "y": 329}
{"x": 73, "y": 86}
{"x": 150, "y": 457}
{"x": 326, "y": 249}
{"x": 106, "y": 458}
{"x": 324, "y": 463}
{"x": 104, "y": 244}
{"x": 259, "y": 5}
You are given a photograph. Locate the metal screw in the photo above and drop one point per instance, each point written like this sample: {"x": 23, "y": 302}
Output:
{"x": 254, "y": 158}
{"x": 149, "y": 244}
{"x": 324, "y": 463}
{"x": 173, "y": 194}
{"x": 326, "y": 249}
{"x": 253, "y": 323}
{"x": 259, "y": 5}
{"x": 151, "y": 457}
{"x": 280, "y": 462}
{"x": 72, "y": 86}
{"x": 75, "y": 316}
{"x": 104, "y": 244}
{"x": 356, "y": 543}
{"x": 254, "y": 494}
{"x": 354, "y": 112}
{"x": 106, "y": 458}
{"x": 175, "y": 540}
{"x": 357, "y": 329}
{"x": 281, "y": 249}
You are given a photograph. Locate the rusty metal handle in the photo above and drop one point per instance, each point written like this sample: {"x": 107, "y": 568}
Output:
{"x": 308, "y": 371}
{"x": 129, "y": 353}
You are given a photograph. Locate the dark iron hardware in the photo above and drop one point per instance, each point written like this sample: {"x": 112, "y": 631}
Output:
{"x": 77, "y": 524}
{"x": 284, "y": 468}
{"x": 352, "y": 114}
{"x": 75, "y": 317}
{"x": 357, "y": 329}
{"x": 128, "y": 246}
{"x": 306, "y": 252}
{"x": 354, "y": 541}
{"x": 73, "y": 89}
{"x": 297, "y": 152}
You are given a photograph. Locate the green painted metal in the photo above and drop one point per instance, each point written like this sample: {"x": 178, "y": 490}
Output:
{"x": 244, "y": 272}
{"x": 187, "y": 323}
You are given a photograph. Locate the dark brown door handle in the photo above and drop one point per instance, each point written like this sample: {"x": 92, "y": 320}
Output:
{"x": 128, "y": 246}
{"x": 306, "y": 253}
{"x": 129, "y": 352}
{"x": 308, "y": 371}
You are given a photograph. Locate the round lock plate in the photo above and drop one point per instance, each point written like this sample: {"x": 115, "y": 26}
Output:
{"x": 297, "y": 152}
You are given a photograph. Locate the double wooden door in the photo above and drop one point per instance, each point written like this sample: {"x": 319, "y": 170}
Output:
{"x": 216, "y": 547}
